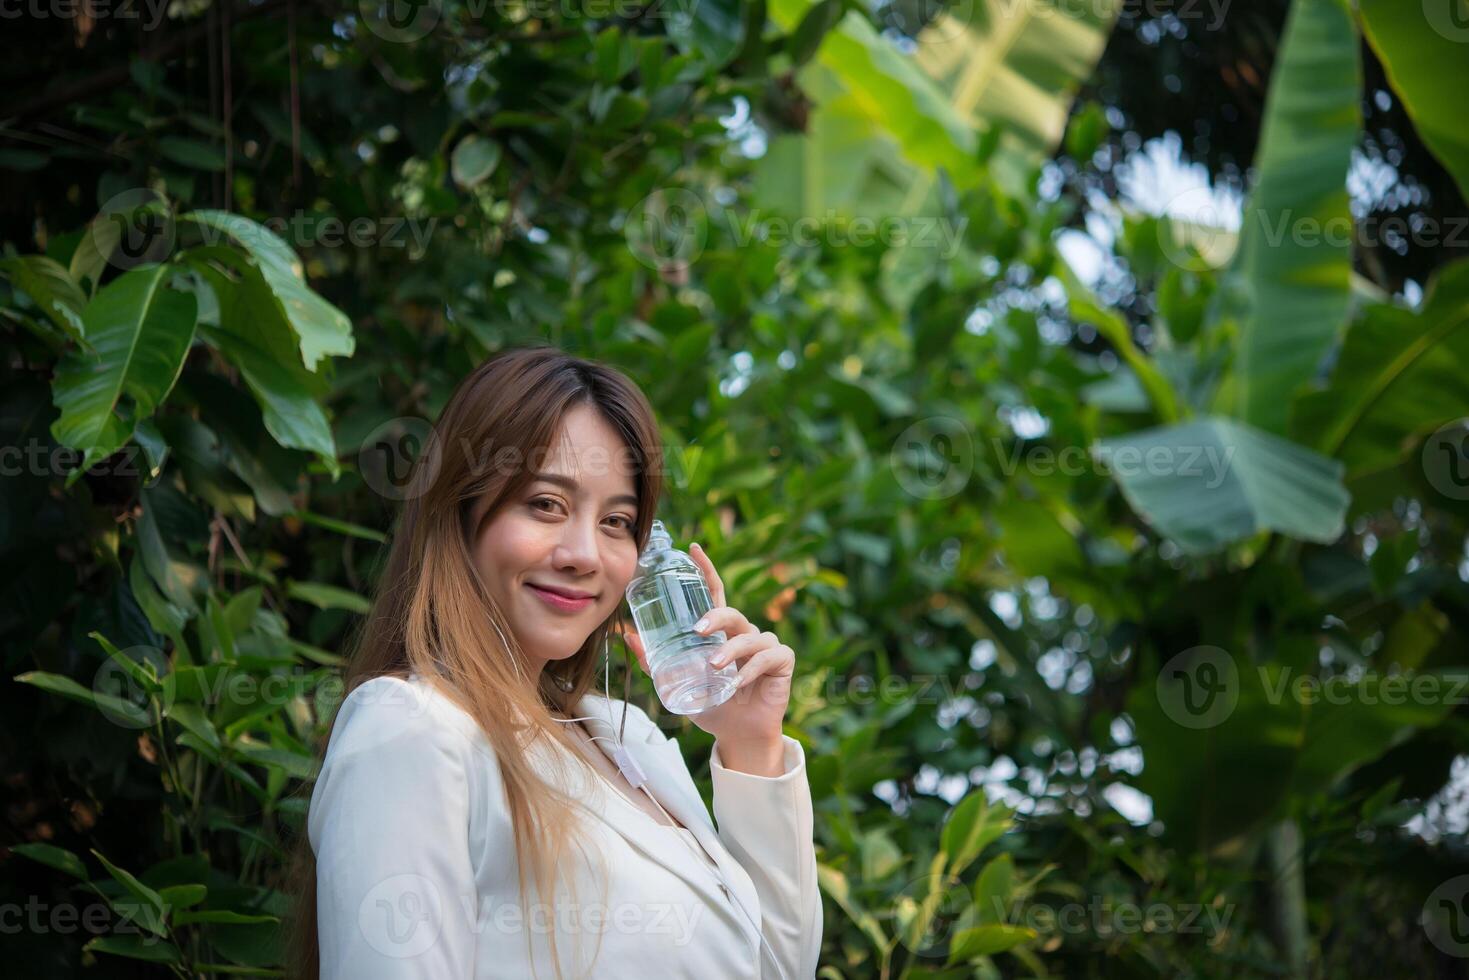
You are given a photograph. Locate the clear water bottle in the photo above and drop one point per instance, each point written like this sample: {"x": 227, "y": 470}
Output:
{"x": 667, "y": 597}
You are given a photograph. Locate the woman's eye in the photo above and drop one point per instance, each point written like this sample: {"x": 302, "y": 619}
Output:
{"x": 542, "y": 500}
{"x": 627, "y": 525}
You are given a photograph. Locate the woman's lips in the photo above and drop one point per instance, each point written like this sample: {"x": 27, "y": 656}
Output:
{"x": 560, "y": 602}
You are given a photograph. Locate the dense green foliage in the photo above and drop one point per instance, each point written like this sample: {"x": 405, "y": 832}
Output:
{"x": 1013, "y": 517}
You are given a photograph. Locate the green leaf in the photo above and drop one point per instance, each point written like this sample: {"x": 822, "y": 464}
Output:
{"x": 192, "y": 153}
{"x": 710, "y": 30}
{"x": 1399, "y": 373}
{"x": 1209, "y": 483}
{"x": 144, "y": 673}
{"x": 1295, "y": 259}
{"x": 987, "y": 940}
{"x": 135, "y": 947}
{"x": 322, "y": 329}
{"x": 67, "y": 688}
{"x": 140, "y": 331}
{"x": 992, "y": 890}
{"x": 148, "y": 910}
{"x": 475, "y": 159}
{"x": 254, "y": 336}
{"x": 52, "y": 289}
{"x": 808, "y": 35}
{"x": 971, "y": 827}
{"x": 1422, "y": 52}
{"x": 53, "y": 857}
{"x": 325, "y": 596}
{"x": 182, "y": 897}
{"x": 1015, "y": 66}
{"x": 222, "y": 916}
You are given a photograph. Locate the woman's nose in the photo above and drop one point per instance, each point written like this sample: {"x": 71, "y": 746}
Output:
{"x": 577, "y": 549}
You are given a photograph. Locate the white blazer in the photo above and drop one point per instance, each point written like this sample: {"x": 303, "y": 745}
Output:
{"x": 417, "y": 875}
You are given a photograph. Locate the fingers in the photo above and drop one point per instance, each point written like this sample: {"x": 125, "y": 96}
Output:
{"x": 711, "y": 577}
{"x": 725, "y": 618}
{"x": 776, "y": 661}
{"x": 744, "y": 646}
{"x": 635, "y": 644}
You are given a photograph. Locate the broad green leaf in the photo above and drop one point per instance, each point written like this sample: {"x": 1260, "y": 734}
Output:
{"x": 255, "y": 337}
{"x": 139, "y": 331}
{"x": 1209, "y": 483}
{"x": 52, "y": 289}
{"x": 322, "y": 329}
{"x": 1278, "y": 734}
{"x": 53, "y": 857}
{"x": 1422, "y": 51}
{"x": 1294, "y": 263}
{"x": 1399, "y": 373}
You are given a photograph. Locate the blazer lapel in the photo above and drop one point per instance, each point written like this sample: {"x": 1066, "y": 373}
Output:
{"x": 669, "y": 782}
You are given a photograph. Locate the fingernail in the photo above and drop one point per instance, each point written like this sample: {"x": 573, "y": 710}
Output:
{"x": 702, "y": 625}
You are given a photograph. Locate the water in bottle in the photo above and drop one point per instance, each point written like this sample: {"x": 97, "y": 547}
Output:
{"x": 667, "y": 597}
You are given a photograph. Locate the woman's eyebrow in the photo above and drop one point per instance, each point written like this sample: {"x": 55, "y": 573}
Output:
{"x": 571, "y": 484}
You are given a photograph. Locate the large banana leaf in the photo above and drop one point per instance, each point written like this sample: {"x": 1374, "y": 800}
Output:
{"x": 139, "y": 331}
{"x": 1001, "y": 63}
{"x": 1294, "y": 261}
{"x": 888, "y": 87}
{"x": 844, "y": 158}
{"x": 1208, "y": 483}
{"x": 1399, "y": 374}
{"x": 1423, "y": 52}
{"x": 1228, "y": 742}
{"x": 1018, "y": 66}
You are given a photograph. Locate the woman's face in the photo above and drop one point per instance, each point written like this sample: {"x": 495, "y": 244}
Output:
{"x": 569, "y": 531}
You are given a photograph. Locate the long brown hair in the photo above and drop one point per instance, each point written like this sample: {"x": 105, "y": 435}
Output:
{"x": 433, "y": 616}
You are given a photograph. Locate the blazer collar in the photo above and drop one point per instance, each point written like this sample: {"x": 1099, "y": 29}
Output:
{"x": 670, "y": 783}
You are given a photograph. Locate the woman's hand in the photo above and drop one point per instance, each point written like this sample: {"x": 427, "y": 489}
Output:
{"x": 748, "y": 725}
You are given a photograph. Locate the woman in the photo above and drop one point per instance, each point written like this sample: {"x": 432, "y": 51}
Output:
{"x": 473, "y": 769}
